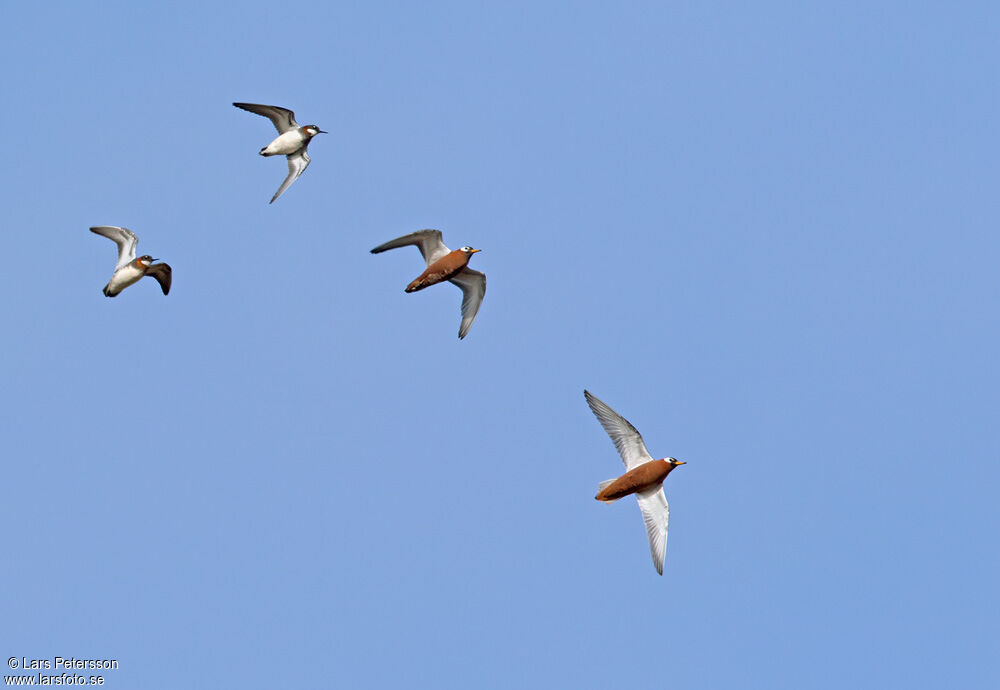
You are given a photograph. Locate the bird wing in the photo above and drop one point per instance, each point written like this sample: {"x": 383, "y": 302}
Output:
{"x": 627, "y": 440}
{"x": 656, "y": 515}
{"x": 297, "y": 163}
{"x": 123, "y": 237}
{"x": 473, "y": 284}
{"x": 283, "y": 118}
{"x": 429, "y": 243}
{"x": 162, "y": 273}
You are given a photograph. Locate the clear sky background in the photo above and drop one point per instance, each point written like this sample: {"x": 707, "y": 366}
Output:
{"x": 765, "y": 233}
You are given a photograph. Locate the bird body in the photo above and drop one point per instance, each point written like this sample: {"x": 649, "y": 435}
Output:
{"x": 643, "y": 477}
{"x": 288, "y": 143}
{"x": 292, "y": 140}
{"x": 649, "y": 475}
{"x": 444, "y": 264}
{"x": 126, "y": 275}
{"x": 442, "y": 269}
{"x": 129, "y": 269}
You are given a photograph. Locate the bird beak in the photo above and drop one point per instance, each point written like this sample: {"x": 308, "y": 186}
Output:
{"x": 321, "y": 132}
{"x": 681, "y": 463}
{"x": 475, "y": 250}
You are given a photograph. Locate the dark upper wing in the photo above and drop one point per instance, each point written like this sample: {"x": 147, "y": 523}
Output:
{"x": 282, "y": 118}
{"x": 429, "y": 243}
{"x": 162, "y": 273}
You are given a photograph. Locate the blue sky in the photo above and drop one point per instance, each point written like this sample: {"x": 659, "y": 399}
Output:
{"x": 766, "y": 233}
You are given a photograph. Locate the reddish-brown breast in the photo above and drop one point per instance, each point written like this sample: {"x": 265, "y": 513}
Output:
{"x": 644, "y": 476}
{"x": 442, "y": 269}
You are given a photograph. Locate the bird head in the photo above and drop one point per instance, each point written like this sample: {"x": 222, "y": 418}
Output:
{"x": 313, "y": 130}
{"x": 674, "y": 463}
{"x": 470, "y": 251}
{"x": 146, "y": 260}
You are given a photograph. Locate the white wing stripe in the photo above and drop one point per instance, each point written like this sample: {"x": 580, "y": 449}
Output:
{"x": 656, "y": 515}
{"x": 123, "y": 237}
{"x": 627, "y": 439}
{"x": 473, "y": 284}
{"x": 429, "y": 242}
{"x": 297, "y": 164}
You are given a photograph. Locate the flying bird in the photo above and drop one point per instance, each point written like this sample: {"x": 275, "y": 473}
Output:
{"x": 292, "y": 140}
{"x": 129, "y": 269}
{"x": 643, "y": 477}
{"x": 445, "y": 264}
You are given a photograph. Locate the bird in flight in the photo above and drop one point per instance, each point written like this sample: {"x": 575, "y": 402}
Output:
{"x": 292, "y": 140}
{"x": 129, "y": 269}
{"x": 444, "y": 264}
{"x": 643, "y": 477}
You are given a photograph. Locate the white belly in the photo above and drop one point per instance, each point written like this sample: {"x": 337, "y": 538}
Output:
{"x": 289, "y": 142}
{"x": 122, "y": 278}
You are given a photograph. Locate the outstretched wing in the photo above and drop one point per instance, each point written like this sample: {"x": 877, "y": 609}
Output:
{"x": 627, "y": 440}
{"x": 656, "y": 515}
{"x": 123, "y": 237}
{"x": 297, "y": 163}
{"x": 282, "y": 118}
{"x": 473, "y": 284}
{"x": 162, "y": 273}
{"x": 429, "y": 243}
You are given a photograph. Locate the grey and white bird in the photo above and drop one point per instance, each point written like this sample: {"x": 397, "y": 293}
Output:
{"x": 643, "y": 477}
{"x": 445, "y": 264}
{"x": 129, "y": 269}
{"x": 292, "y": 140}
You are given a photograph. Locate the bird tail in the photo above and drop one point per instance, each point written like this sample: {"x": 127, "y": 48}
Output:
{"x": 600, "y": 489}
